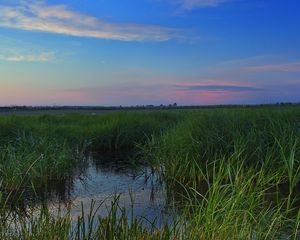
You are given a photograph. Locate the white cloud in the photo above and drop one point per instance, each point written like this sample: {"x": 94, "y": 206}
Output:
{"x": 248, "y": 60}
{"x": 191, "y": 4}
{"x": 38, "y": 16}
{"x": 187, "y": 5}
{"x": 19, "y": 57}
{"x": 284, "y": 67}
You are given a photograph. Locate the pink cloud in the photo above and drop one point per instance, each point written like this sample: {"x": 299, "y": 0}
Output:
{"x": 14, "y": 95}
{"x": 216, "y": 87}
{"x": 134, "y": 93}
{"x": 212, "y": 92}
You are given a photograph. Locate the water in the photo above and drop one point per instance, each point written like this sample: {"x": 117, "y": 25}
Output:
{"x": 103, "y": 178}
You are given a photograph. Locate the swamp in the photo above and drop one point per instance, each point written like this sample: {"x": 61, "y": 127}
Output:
{"x": 219, "y": 173}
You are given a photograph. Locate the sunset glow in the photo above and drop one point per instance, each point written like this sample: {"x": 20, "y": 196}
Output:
{"x": 132, "y": 52}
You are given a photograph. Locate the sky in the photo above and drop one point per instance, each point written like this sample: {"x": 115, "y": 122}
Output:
{"x": 140, "y": 52}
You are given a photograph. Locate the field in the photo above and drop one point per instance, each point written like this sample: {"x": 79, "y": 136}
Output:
{"x": 231, "y": 173}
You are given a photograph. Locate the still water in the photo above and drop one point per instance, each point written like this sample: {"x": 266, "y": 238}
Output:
{"x": 101, "y": 179}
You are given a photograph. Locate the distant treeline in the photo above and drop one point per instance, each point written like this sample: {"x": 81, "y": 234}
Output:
{"x": 137, "y": 107}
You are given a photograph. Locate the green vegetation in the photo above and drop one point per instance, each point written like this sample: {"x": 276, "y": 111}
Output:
{"x": 37, "y": 149}
{"x": 237, "y": 172}
{"x": 233, "y": 173}
{"x": 114, "y": 226}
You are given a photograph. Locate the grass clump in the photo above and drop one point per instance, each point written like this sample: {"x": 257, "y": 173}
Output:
{"x": 87, "y": 226}
{"x": 235, "y": 172}
{"x": 37, "y": 150}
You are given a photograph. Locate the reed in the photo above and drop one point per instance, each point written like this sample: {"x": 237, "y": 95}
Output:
{"x": 231, "y": 173}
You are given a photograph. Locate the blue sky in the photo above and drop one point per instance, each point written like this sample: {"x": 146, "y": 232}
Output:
{"x": 149, "y": 52}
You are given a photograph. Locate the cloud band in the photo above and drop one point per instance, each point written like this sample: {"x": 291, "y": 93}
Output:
{"x": 38, "y": 16}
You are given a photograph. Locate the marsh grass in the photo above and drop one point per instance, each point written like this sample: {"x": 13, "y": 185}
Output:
{"x": 88, "y": 225}
{"x": 29, "y": 160}
{"x": 231, "y": 173}
{"x": 36, "y": 150}
{"x": 236, "y": 172}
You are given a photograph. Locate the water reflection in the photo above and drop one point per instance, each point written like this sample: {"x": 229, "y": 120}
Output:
{"x": 101, "y": 178}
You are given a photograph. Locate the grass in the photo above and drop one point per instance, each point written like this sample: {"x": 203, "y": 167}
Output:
{"x": 35, "y": 150}
{"x": 236, "y": 172}
{"x": 88, "y": 226}
{"x": 232, "y": 173}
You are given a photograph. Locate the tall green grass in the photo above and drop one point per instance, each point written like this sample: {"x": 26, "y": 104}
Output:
{"x": 236, "y": 172}
{"x": 87, "y": 226}
{"x": 105, "y": 132}
{"x": 231, "y": 173}
{"x": 37, "y": 150}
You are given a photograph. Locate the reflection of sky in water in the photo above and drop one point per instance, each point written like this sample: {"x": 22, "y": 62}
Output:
{"x": 102, "y": 182}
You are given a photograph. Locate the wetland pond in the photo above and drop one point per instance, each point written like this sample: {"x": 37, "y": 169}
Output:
{"x": 102, "y": 179}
